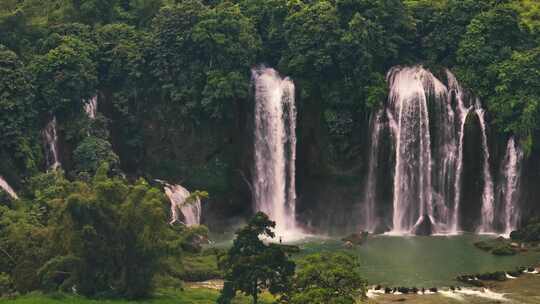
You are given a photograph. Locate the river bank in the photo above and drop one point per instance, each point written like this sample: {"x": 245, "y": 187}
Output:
{"x": 522, "y": 290}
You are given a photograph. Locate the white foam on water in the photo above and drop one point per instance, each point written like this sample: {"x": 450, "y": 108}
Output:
{"x": 510, "y": 277}
{"x": 483, "y": 293}
{"x": 372, "y": 293}
{"x": 452, "y": 295}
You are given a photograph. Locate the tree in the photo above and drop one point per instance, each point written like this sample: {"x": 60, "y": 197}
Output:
{"x": 94, "y": 11}
{"x": 491, "y": 37}
{"x": 65, "y": 76}
{"x": 328, "y": 278}
{"x": 441, "y": 25}
{"x": 17, "y": 111}
{"x": 93, "y": 151}
{"x": 101, "y": 237}
{"x": 252, "y": 266}
{"x": 202, "y": 56}
{"x": 516, "y": 104}
{"x": 498, "y": 64}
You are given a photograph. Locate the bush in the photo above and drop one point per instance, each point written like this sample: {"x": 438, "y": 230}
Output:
{"x": 529, "y": 233}
{"x": 6, "y": 284}
{"x": 484, "y": 245}
{"x": 504, "y": 250}
{"x": 91, "y": 152}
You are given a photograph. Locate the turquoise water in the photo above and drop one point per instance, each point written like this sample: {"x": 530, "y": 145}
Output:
{"x": 422, "y": 261}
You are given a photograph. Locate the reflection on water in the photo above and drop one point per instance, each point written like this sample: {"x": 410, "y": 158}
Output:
{"x": 423, "y": 261}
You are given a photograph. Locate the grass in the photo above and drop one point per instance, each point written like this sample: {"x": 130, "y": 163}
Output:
{"x": 200, "y": 267}
{"x": 187, "y": 296}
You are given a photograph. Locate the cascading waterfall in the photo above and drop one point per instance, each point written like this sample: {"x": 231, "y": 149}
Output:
{"x": 7, "y": 188}
{"x": 510, "y": 188}
{"x": 410, "y": 89}
{"x": 427, "y": 121}
{"x": 370, "y": 190}
{"x": 275, "y": 149}
{"x": 90, "y": 107}
{"x": 463, "y": 111}
{"x": 488, "y": 198}
{"x": 51, "y": 145}
{"x": 191, "y": 211}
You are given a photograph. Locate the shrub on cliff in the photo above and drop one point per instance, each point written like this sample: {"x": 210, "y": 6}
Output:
{"x": 528, "y": 233}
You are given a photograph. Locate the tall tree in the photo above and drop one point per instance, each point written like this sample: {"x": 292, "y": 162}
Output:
{"x": 252, "y": 266}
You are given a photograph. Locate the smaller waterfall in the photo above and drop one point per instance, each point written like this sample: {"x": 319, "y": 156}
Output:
{"x": 370, "y": 190}
{"x": 488, "y": 198}
{"x": 510, "y": 187}
{"x": 51, "y": 145}
{"x": 190, "y": 211}
{"x": 275, "y": 149}
{"x": 7, "y": 188}
{"x": 90, "y": 107}
{"x": 463, "y": 111}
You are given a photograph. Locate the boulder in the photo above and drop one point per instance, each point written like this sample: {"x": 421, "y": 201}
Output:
{"x": 425, "y": 227}
{"x": 404, "y": 290}
{"x": 356, "y": 238}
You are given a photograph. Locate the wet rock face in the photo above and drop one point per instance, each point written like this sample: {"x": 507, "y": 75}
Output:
{"x": 472, "y": 179}
{"x": 425, "y": 227}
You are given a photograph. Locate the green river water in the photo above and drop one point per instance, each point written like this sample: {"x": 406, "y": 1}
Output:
{"x": 422, "y": 261}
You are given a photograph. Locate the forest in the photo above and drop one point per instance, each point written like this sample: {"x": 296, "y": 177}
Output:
{"x": 104, "y": 101}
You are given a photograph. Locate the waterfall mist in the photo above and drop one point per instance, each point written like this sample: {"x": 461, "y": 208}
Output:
{"x": 275, "y": 149}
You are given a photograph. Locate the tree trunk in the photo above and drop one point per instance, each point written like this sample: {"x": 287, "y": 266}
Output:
{"x": 255, "y": 294}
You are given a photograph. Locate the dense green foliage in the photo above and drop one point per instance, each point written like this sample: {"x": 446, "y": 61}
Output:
{"x": 331, "y": 278}
{"x": 166, "y": 69}
{"x": 98, "y": 237}
{"x": 172, "y": 78}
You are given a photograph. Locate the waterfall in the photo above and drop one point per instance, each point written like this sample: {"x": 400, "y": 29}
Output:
{"x": 191, "y": 211}
{"x": 90, "y": 107}
{"x": 370, "y": 189}
{"x": 51, "y": 145}
{"x": 275, "y": 149}
{"x": 463, "y": 111}
{"x": 488, "y": 213}
{"x": 510, "y": 188}
{"x": 427, "y": 122}
{"x": 7, "y": 188}
{"x": 410, "y": 89}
